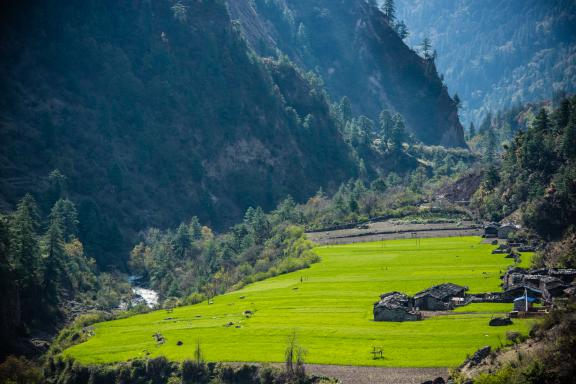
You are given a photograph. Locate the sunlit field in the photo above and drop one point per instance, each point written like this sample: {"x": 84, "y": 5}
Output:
{"x": 329, "y": 306}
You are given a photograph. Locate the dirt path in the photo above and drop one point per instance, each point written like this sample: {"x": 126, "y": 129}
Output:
{"x": 377, "y": 375}
{"x": 348, "y": 374}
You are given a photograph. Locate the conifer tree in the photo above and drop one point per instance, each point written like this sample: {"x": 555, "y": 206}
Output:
{"x": 54, "y": 255}
{"x": 24, "y": 245}
{"x": 541, "y": 122}
{"x": 402, "y": 30}
{"x": 64, "y": 214}
{"x": 569, "y": 139}
{"x": 426, "y": 48}
{"x": 389, "y": 9}
{"x": 471, "y": 130}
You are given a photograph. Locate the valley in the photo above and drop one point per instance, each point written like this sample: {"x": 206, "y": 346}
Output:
{"x": 283, "y": 192}
{"x": 329, "y": 306}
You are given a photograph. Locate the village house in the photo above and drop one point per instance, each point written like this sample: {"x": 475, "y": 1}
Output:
{"x": 395, "y": 306}
{"x": 506, "y": 230}
{"x": 491, "y": 230}
{"x": 439, "y": 297}
{"x": 519, "y": 290}
{"x": 549, "y": 283}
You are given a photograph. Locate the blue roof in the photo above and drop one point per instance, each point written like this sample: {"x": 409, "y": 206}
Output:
{"x": 530, "y": 299}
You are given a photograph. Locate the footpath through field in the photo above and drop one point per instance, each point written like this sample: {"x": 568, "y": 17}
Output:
{"x": 377, "y": 375}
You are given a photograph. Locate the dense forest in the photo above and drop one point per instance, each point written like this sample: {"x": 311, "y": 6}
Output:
{"x": 536, "y": 177}
{"x": 154, "y": 115}
{"x": 495, "y": 54}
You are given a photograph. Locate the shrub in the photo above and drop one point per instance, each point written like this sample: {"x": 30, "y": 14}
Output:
{"x": 19, "y": 370}
{"x": 194, "y": 298}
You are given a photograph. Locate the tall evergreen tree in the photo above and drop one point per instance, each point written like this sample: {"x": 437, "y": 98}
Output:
{"x": 542, "y": 121}
{"x": 471, "y": 130}
{"x": 54, "y": 255}
{"x": 64, "y": 214}
{"x": 561, "y": 116}
{"x": 24, "y": 246}
{"x": 426, "y": 48}
{"x": 182, "y": 240}
{"x": 398, "y": 133}
{"x": 402, "y": 30}
{"x": 345, "y": 108}
{"x": 389, "y": 9}
{"x": 569, "y": 139}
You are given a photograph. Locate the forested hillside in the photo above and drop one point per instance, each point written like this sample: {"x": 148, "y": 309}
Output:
{"x": 536, "y": 181}
{"x": 153, "y": 112}
{"x": 352, "y": 46}
{"x": 496, "y": 53}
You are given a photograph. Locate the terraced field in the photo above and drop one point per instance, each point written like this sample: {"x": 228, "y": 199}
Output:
{"x": 330, "y": 307}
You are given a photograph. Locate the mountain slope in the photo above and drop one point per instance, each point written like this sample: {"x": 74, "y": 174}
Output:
{"x": 352, "y": 47}
{"x": 155, "y": 112}
{"x": 495, "y": 53}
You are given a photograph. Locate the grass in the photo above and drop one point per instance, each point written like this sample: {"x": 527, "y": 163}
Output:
{"x": 330, "y": 307}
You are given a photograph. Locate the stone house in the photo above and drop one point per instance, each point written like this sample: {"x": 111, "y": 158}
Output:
{"x": 439, "y": 297}
{"x": 395, "y": 306}
{"x": 491, "y": 230}
{"x": 519, "y": 290}
{"x": 549, "y": 283}
{"x": 505, "y": 230}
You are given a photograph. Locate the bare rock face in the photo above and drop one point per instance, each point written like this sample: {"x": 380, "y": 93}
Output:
{"x": 477, "y": 357}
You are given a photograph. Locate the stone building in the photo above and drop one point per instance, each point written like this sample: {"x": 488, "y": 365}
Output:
{"x": 439, "y": 297}
{"x": 549, "y": 283}
{"x": 395, "y": 306}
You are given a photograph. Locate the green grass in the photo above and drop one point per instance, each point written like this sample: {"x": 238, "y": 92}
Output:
{"x": 331, "y": 311}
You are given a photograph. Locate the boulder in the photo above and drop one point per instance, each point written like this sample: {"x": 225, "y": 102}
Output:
{"x": 500, "y": 321}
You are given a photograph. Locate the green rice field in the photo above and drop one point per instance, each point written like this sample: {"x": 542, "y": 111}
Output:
{"x": 329, "y": 306}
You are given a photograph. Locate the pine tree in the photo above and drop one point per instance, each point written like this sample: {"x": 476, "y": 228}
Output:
{"x": 569, "y": 140}
{"x": 457, "y": 100}
{"x": 57, "y": 187}
{"x": 402, "y": 30}
{"x": 426, "y": 48}
{"x": 542, "y": 121}
{"x": 491, "y": 178}
{"x": 389, "y": 9}
{"x": 24, "y": 246}
{"x": 345, "y": 109}
{"x": 561, "y": 116}
{"x": 182, "y": 240}
{"x": 471, "y": 130}
{"x": 54, "y": 255}
{"x": 195, "y": 229}
{"x": 398, "y": 133}
{"x": 64, "y": 214}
